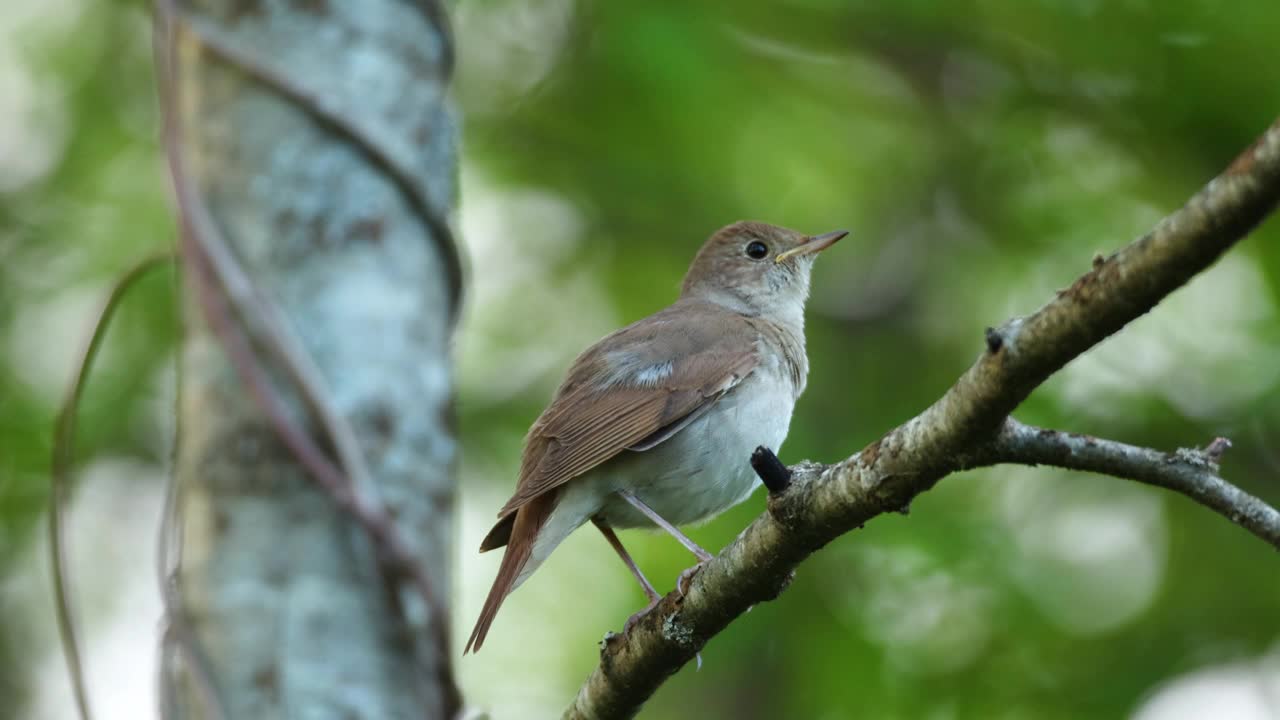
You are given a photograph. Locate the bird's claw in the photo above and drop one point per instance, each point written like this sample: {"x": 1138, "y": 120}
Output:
{"x": 686, "y": 577}
{"x": 682, "y": 586}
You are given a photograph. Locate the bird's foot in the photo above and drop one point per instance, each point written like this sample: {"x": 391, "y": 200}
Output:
{"x": 686, "y": 577}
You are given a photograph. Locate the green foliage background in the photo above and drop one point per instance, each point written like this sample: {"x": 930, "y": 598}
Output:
{"x": 980, "y": 152}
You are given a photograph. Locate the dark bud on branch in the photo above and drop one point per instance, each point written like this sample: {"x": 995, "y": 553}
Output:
{"x": 995, "y": 340}
{"x": 772, "y": 472}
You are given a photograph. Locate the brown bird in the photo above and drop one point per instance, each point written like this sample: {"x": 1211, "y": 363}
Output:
{"x": 655, "y": 424}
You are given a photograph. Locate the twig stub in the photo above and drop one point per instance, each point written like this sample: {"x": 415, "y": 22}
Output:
{"x": 1216, "y": 448}
{"x": 995, "y": 340}
{"x": 772, "y": 472}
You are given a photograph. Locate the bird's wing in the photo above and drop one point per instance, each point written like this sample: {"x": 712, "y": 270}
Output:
{"x": 630, "y": 392}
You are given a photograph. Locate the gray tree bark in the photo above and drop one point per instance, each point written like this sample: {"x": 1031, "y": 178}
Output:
{"x": 317, "y": 157}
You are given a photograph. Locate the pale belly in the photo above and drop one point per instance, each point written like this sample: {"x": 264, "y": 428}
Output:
{"x": 698, "y": 473}
{"x": 705, "y": 468}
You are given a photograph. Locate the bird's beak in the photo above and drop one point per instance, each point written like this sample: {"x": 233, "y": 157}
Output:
{"x": 811, "y": 244}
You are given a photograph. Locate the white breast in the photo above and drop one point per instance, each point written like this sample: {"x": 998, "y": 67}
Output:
{"x": 705, "y": 468}
{"x": 698, "y": 473}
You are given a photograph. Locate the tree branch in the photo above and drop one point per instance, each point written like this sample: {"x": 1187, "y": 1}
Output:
{"x": 1188, "y": 472}
{"x": 823, "y": 502}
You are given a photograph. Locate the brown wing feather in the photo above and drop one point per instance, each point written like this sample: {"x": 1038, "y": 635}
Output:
{"x": 604, "y": 407}
{"x": 601, "y": 410}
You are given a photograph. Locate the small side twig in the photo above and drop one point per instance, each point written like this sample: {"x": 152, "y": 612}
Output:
{"x": 63, "y": 462}
{"x": 995, "y": 340}
{"x": 772, "y": 472}
{"x": 1192, "y": 473}
{"x": 1217, "y": 448}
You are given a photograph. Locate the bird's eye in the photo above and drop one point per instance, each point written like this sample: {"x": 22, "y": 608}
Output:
{"x": 757, "y": 250}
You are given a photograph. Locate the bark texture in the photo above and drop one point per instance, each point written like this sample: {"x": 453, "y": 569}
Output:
{"x": 318, "y": 139}
{"x": 967, "y": 427}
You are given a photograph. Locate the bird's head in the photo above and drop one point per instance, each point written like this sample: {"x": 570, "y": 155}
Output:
{"x": 756, "y": 269}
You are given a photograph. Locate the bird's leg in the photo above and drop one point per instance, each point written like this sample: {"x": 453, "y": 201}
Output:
{"x": 649, "y": 591}
{"x": 653, "y": 595}
{"x": 658, "y": 520}
{"x": 682, "y": 584}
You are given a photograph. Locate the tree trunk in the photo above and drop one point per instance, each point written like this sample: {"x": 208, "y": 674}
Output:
{"x": 318, "y": 135}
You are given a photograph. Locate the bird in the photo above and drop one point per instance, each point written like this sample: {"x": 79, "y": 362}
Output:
{"x": 654, "y": 425}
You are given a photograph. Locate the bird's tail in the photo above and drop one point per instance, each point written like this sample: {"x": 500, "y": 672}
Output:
{"x": 529, "y": 520}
